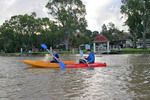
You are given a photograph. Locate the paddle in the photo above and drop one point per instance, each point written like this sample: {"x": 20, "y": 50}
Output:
{"x": 88, "y": 64}
{"x": 62, "y": 65}
{"x": 81, "y": 54}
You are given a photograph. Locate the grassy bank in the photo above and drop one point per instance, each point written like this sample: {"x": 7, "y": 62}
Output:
{"x": 134, "y": 51}
{"x": 19, "y": 54}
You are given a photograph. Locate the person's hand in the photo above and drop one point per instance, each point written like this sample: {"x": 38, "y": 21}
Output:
{"x": 47, "y": 61}
{"x": 88, "y": 62}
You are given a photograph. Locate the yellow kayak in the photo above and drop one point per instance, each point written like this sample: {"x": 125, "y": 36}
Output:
{"x": 45, "y": 64}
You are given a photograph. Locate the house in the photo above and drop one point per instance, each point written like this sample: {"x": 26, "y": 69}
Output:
{"x": 140, "y": 43}
{"x": 124, "y": 43}
{"x": 101, "y": 44}
{"x": 62, "y": 45}
{"x": 84, "y": 46}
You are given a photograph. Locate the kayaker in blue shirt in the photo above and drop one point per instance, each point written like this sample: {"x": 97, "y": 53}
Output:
{"x": 55, "y": 55}
{"x": 90, "y": 58}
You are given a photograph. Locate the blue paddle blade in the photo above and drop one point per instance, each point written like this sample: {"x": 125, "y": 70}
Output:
{"x": 81, "y": 53}
{"x": 62, "y": 65}
{"x": 44, "y": 46}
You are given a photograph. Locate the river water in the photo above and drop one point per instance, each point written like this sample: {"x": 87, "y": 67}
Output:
{"x": 126, "y": 77}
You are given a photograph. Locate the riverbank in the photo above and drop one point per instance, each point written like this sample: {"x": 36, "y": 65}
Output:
{"x": 134, "y": 51}
{"x": 24, "y": 54}
{"x": 123, "y": 51}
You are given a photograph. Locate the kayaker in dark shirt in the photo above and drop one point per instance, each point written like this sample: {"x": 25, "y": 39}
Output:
{"x": 55, "y": 55}
{"x": 90, "y": 58}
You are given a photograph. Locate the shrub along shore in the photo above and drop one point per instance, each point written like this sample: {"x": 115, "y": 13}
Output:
{"x": 134, "y": 51}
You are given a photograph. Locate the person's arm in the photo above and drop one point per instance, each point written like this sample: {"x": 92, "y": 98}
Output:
{"x": 57, "y": 56}
{"x": 87, "y": 58}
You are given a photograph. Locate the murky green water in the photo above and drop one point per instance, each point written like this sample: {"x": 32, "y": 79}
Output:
{"x": 126, "y": 77}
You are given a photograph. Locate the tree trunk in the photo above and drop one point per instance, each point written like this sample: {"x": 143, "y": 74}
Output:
{"x": 135, "y": 43}
{"x": 5, "y": 47}
{"x": 144, "y": 40}
{"x": 66, "y": 44}
{"x": 134, "y": 40}
{"x": 144, "y": 33}
{"x": 27, "y": 47}
{"x": 67, "y": 40}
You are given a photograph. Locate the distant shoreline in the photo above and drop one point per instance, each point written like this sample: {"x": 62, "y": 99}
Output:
{"x": 123, "y": 51}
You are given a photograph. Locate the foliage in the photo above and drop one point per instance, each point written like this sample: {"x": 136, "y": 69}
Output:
{"x": 70, "y": 15}
{"x": 83, "y": 39}
{"x": 111, "y": 32}
{"x": 138, "y": 13}
{"x": 27, "y": 32}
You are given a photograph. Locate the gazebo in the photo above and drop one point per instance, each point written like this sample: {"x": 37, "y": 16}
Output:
{"x": 101, "y": 44}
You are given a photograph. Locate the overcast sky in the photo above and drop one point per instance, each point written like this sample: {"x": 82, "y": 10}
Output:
{"x": 99, "y": 12}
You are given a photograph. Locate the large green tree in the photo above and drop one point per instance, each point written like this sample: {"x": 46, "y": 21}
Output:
{"x": 135, "y": 26}
{"x": 28, "y": 32}
{"x": 133, "y": 9}
{"x": 6, "y": 37}
{"x": 69, "y": 14}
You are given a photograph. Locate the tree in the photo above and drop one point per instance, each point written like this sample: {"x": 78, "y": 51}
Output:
{"x": 110, "y": 31}
{"x": 6, "y": 35}
{"x": 27, "y": 32}
{"x": 134, "y": 23}
{"x": 95, "y": 34}
{"x": 69, "y": 14}
{"x": 88, "y": 33}
{"x": 24, "y": 29}
{"x": 74, "y": 41}
{"x": 83, "y": 39}
{"x": 111, "y": 25}
{"x": 104, "y": 28}
{"x": 49, "y": 33}
{"x": 141, "y": 8}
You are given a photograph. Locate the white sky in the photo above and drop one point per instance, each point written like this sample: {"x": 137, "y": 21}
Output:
{"x": 99, "y": 12}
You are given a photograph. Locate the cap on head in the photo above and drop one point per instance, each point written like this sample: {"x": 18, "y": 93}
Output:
{"x": 55, "y": 50}
{"x": 88, "y": 49}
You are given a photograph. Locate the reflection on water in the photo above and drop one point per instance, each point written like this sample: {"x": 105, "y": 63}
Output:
{"x": 125, "y": 77}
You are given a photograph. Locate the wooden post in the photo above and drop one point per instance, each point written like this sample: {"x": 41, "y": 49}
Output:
{"x": 94, "y": 47}
{"x": 108, "y": 47}
{"x": 21, "y": 52}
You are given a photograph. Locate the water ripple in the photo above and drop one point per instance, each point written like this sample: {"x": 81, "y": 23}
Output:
{"x": 126, "y": 77}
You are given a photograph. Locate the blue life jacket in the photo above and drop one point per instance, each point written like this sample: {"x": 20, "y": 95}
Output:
{"x": 57, "y": 56}
{"x": 91, "y": 58}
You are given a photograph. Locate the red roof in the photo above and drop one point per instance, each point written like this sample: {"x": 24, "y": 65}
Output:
{"x": 65, "y": 42}
{"x": 101, "y": 39}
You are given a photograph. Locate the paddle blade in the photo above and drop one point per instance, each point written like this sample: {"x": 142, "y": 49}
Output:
{"x": 44, "y": 46}
{"x": 81, "y": 53}
{"x": 62, "y": 65}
